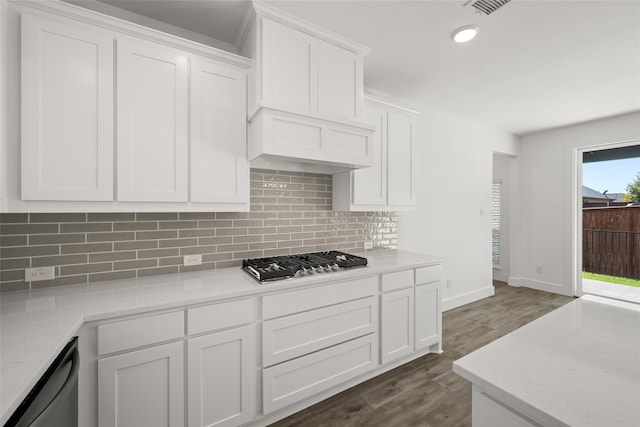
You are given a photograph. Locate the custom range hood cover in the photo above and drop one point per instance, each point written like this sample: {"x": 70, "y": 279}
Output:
{"x": 305, "y": 95}
{"x": 288, "y": 141}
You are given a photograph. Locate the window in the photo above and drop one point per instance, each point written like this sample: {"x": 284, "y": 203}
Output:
{"x": 495, "y": 223}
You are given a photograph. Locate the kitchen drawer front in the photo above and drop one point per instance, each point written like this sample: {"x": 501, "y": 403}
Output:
{"x": 219, "y": 316}
{"x": 309, "y": 299}
{"x": 300, "y": 378}
{"x": 398, "y": 280}
{"x": 132, "y": 333}
{"x": 292, "y": 336}
{"x": 429, "y": 274}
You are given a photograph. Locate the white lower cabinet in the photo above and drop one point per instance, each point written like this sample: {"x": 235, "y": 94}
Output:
{"x": 200, "y": 365}
{"x": 221, "y": 377}
{"x": 397, "y": 335}
{"x": 292, "y": 336}
{"x": 305, "y": 376}
{"x": 143, "y": 388}
{"x": 428, "y": 328}
{"x": 411, "y": 317}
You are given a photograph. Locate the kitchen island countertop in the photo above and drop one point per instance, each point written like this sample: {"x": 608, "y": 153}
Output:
{"x": 35, "y": 325}
{"x": 576, "y": 366}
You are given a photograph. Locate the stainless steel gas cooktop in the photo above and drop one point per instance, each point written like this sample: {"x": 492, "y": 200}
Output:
{"x": 287, "y": 266}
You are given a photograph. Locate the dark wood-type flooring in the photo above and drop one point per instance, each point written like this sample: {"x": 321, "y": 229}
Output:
{"x": 426, "y": 392}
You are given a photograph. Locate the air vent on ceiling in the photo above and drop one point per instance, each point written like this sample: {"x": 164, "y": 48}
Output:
{"x": 488, "y": 6}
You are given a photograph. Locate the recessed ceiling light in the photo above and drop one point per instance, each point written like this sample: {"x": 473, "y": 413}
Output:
{"x": 465, "y": 33}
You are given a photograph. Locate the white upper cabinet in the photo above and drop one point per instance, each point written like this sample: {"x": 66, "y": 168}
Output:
{"x": 400, "y": 166}
{"x": 370, "y": 184}
{"x": 306, "y": 95}
{"x": 289, "y": 68}
{"x": 67, "y": 111}
{"x": 305, "y": 74}
{"x": 152, "y": 123}
{"x": 105, "y": 115}
{"x": 339, "y": 82}
{"x": 390, "y": 182}
{"x": 219, "y": 166}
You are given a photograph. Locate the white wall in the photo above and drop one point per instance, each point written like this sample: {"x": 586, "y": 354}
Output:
{"x": 548, "y": 188}
{"x": 453, "y": 217}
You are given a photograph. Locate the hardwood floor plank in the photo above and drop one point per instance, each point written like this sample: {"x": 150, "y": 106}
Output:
{"x": 426, "y": 392}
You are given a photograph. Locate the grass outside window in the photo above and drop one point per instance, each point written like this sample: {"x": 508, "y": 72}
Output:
{"x": 611, "y": 279}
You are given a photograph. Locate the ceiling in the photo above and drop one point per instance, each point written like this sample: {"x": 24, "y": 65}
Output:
{"x": 535, "y": 65}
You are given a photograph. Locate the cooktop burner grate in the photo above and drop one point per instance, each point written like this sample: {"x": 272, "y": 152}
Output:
{"x": 287, "y": 266}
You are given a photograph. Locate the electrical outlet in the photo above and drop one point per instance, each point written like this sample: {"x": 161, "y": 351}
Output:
{"x": 368, "y": 245}
{"x": 538, "y": 269}
{"x": 39, "y": 273}
{"x": 448, "y": 283}
{"x": 192, "y": 260}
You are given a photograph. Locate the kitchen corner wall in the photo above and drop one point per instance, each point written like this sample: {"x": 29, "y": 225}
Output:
{"x": 290, "y": 213}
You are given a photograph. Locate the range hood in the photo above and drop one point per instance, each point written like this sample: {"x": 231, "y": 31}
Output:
{"x": 305, "y": 95}
{"x": 288, "y": 141}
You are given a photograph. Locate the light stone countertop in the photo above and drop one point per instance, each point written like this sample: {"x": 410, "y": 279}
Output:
{"x": 576, "y": 366}
{"x": 35, "y": 325}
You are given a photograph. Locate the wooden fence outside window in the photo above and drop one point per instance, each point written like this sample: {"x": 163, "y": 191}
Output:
{"x": 611, "y": 241}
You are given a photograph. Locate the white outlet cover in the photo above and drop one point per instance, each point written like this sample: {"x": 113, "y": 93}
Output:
{"x": 192, "y": 260}
{"x": 39, "y": 273}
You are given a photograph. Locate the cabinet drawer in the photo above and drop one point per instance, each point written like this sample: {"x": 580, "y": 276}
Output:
{"x": 219, "y": 316}
{"x": 432, "y": 273}
{"x": 321, "y": 296}
{"x": 300, "y": 378}
{"x": 299, "y": 334}
{"x": 128, "y": 334}
{"x": 398, "y": 280}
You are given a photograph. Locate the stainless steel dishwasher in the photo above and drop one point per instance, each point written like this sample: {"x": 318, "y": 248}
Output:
{"x": 53, "y": 401}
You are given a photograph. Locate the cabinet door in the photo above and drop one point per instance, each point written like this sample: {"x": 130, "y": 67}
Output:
{"x": 142, "y": 388}
{"x": 67, "y": 112}
{"x": 427, "y": 312}
{"x": 397, "y": 324}
{"x": 339, "y": 82}
{"x": 400, "y": 178}
{"x": 221, "y": 378}
{"x": 152, "y": 123}
{"x": 289, "y": 68}
{"x": 219, "y": 167}
{"x": 370, "y": 184}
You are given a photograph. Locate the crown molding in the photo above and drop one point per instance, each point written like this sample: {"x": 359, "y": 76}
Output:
{"x": 380, "y": 98}
{"x": 121, "y": 26}
{"x": 268, "y": 11}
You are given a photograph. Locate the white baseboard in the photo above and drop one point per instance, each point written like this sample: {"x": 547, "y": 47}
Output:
{"x": 458, "y": 300}
{"x": 555, "y": 288}
{"x": 499, "y": 275}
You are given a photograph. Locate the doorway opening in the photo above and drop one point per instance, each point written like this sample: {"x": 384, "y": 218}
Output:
{"x": 609, "y": 221}
{"x": 502, "y": 198}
